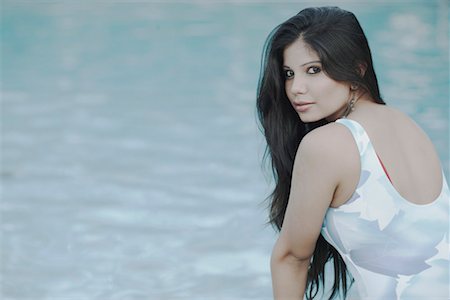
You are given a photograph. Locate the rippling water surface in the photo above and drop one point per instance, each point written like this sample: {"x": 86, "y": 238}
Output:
{"x": 130, "y": 151}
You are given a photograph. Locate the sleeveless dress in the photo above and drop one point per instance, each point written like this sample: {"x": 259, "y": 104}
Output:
{"x": 393, "y": 248}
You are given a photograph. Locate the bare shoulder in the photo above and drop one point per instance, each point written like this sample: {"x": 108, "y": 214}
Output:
{"x": 330, "y": 149}
{"x": 326, "y": 157}
{"x": 330, "y": 140}
{"x": 407, "y": 126}
{"x": 400, "y": 117}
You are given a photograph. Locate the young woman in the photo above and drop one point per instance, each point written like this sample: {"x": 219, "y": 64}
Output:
{"x": 357, "y": 182}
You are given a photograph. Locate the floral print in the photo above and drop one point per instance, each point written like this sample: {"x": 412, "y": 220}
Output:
{"x": 393, "y": 248}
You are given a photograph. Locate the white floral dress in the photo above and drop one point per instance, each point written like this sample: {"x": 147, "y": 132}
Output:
{"x": 393, "y": 248}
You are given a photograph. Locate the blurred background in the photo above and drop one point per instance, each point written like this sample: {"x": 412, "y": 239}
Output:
{"x": 130, "y": 152}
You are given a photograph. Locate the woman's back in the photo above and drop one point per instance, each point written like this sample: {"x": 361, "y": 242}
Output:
{"x": 405, "y": 151}
{"x": 394, "y": 238}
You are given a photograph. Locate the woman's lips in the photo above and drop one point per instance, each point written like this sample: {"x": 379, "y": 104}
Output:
{"x": 302, "y": 106}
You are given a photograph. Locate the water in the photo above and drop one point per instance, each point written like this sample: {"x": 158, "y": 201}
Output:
{"x": 130, "y": 151}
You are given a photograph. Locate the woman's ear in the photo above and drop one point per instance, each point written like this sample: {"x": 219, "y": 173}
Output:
{"x": 361, "y": 69}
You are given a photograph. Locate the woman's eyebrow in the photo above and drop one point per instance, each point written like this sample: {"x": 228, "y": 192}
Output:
{"x": 314, "y": 61}
{"x": 310, "y": 62}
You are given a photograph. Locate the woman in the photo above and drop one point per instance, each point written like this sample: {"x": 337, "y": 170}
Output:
{"x": 357, "y": 182}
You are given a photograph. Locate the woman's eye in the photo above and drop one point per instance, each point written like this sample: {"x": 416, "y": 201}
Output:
{"x": 288, "y": 74}
{"x": 313, "y": 70}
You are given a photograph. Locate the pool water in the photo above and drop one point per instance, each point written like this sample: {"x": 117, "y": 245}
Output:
{"x": 131, "y": 158}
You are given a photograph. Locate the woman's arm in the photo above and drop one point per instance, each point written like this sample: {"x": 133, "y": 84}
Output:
{"x": 314, "y": 180}
{"x": 289, "y": 274}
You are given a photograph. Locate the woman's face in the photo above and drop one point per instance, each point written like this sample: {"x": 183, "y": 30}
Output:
{"x": 312, "y": 93}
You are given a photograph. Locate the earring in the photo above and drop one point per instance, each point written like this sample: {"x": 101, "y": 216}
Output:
{"x": 353, "y": 87}
{"x": 350, "y": 106}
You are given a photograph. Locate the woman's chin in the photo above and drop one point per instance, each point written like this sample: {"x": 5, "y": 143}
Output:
{"x": 305, "y": 118}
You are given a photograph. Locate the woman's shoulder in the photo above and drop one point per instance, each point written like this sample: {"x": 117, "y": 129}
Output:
{"x": 395, "y": 114}
{"x": 379, "y": 119}
{"x": 327, "y": 133}
{"x": 387, "y": 114}
{"x": 330, "y": 149}
{"x": 328, "y": 140}
{"x": 400, "y": 122}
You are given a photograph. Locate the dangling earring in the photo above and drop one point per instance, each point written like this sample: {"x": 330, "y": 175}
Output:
{"x": 351, "y": 103}
{"x": 350, "y": 106}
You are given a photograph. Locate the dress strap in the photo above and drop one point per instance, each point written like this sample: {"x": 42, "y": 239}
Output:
{"x": 362, "y": 139}
{"x": 359, "y": 134}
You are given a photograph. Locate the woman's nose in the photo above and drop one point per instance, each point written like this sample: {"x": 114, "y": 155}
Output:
{"x": 298, "y": 86}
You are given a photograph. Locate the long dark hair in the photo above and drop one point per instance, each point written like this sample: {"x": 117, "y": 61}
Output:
{"x": 339, "y": 41}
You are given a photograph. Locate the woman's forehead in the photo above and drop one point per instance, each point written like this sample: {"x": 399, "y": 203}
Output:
{"x": 299, "y": 53}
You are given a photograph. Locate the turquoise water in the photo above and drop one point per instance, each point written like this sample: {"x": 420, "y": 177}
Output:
{"x": 130, "y": 152}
